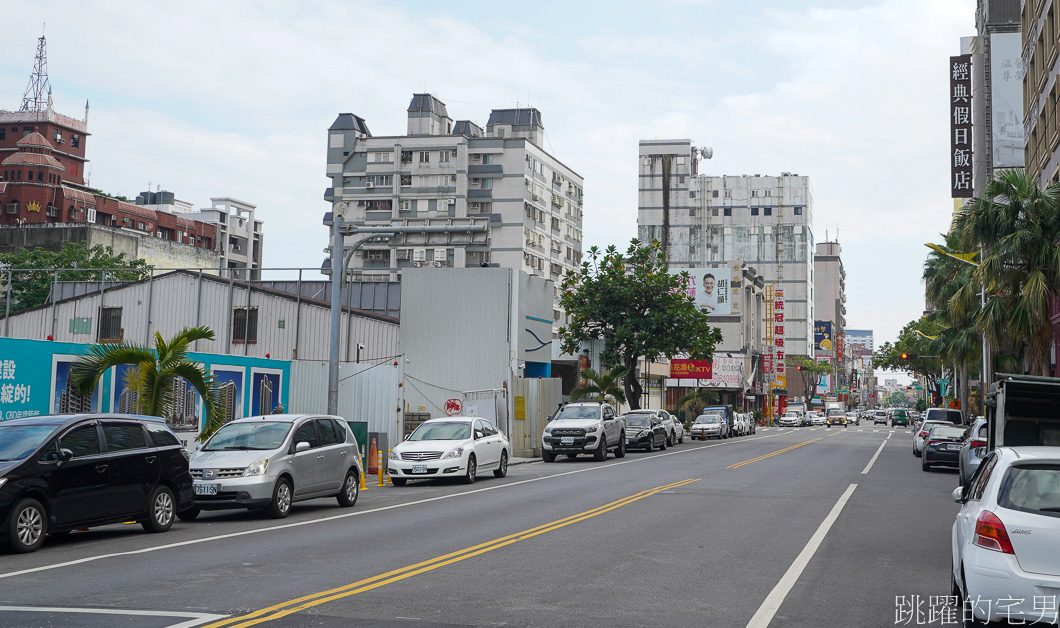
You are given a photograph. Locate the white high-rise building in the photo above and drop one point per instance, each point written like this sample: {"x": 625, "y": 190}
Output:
{"x": 764, "y": 221}
{"x": 446, "y": 172}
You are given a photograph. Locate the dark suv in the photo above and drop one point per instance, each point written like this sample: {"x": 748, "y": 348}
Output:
{"x": 60, "y": 473}
{"x": 900, "y": 417}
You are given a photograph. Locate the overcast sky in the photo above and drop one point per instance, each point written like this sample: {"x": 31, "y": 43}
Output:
{"x": 235, "y": 98}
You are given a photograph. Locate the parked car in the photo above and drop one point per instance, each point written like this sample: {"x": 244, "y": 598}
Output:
{"x": 921, "y": 433}
{"x": 62, "y": 473}
{"x": 669, "y": 423}
{"x": 709, "y": 426}
{"x": 817, "y": 418}
{"x": 941, "y": 446}
{"x": 1005, "y": 537}
{"x": 973, "y": 450}
{"x": 853, "y": 417}
{"x": 880, "y": 417}
{"x": 949, "y": 415}
{"x": 791, "y": 419}
{"x": 900, "y": 416}
{"x": 645, "y": 431}
{"x": 679, "y": 428}
{"x": 455, "y": 446}
{"x": 269, "y": 462}
{"x": 584, "y": 427}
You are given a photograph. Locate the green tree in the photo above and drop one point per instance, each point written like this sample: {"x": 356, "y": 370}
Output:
{"x": 30, "y": 288}
{"x": 812, "y": 374}
{"x": 898, "y": 398}
{"x": 915, "y": 339}
{"x": 154, "y": 374}
{"x": 637, "y": 307}
{"x": 697, "y": 399}
{"x": 1016, "y": 225}
{"x": 921, "y": 405}
{"x": 599, "y": 387}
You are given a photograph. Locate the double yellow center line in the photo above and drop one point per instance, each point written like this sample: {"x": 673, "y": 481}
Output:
{"x": 300, "y": 604}
{"x": 778, "y": 452}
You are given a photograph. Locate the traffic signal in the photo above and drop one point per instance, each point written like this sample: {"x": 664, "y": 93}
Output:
{"x": 909, "y": 356}
{"x": 798, "y": 368}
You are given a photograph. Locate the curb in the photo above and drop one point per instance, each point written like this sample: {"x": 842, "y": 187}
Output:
{"x": 518, "y": 461}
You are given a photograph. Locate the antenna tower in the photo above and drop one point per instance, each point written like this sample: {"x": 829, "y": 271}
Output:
{"x": 36, "y": 96}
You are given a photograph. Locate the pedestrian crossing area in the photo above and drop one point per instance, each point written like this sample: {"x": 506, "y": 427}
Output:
{"x": 781, "y": 430}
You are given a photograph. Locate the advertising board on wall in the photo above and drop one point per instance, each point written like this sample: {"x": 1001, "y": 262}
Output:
{"x": 690, "y": 369}
{"x": 713, "y": 286}
{"x": 724, "y": 373}
{"x": 823, "y": 337}
{"x": 961, "y": 126}
{"x": 1006, "y": 100}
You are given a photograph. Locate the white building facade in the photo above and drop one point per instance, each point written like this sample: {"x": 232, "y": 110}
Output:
{"x": 446, "y": 172}
{"x": 763, "y": 221}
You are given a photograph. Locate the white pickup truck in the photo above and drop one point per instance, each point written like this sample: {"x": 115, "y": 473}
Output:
{"x": 588, "y": 427}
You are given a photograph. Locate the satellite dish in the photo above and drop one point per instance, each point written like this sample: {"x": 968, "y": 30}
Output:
{"x": 707, "y": 152}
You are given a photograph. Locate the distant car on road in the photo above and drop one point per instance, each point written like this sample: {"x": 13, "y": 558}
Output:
{"x": 709, "y": 426}
{"x": 949, "y": 415}
{"x": 1005, "y": 537}
{"x": 791, "y": 419}
{"x": 880, "y": 417}
{"x": 61, "y": 473}
{"x": 853, "y": 417}
{"x": 900, "y": 416}
{"x": 817, "y": 419}
{"x": 921, "y": 433}
{"x": 941, "y": 446}
{"x": 269, "y": 462}
{"x": 646, "y": 431}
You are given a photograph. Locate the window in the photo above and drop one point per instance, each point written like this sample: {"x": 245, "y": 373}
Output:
{"x": 754, "y": 211}
{"x": 406, "y": 179}
{"x": 305, "y": 434}
{"x": 754, "y": 193}
{"x": 328, "y": 434}
{"x": 245, "y": 324}
{"x": 12, "y": 207}
{"x": 715, "y": 194}
{"x": 83, "y": 441}
{"x": 728, "y": 211}
{"x": 110, "y": 324}
{"x": 382, "y": 157}
{"x": 981, "y": 477}
{"x": 728, "y": 193}
{"x": 3, "y": 134}
{"x": 425, "y": 156}
{"x": 768, "y": 211}
{"x": 75, "y": 141}
{"x": 59, "y": 135}
{"x": 487, "y": 159}
{"x": 383, "y": 180}
{"x": 143, "y": 227}
{"x": 161, "y": 435}
{"x": 798, "y": 211}
{"x": 487, "y": 184}
{"x": 406, "y": 156}
{"x": 122, "y": 436}
{"x": 445, "y": 156}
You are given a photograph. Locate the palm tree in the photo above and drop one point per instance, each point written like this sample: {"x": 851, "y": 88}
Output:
{"x": 1017, "y": 226}
{"x": 698, "y": 399}
{"x": 154, "y": 374}
{"x": 601, "y": 387}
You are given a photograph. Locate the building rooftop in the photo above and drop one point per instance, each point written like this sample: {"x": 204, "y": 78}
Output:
{"x": 515, "y": 116}
{"x": 427, "y": 102}
{"x": 348, "y": 121}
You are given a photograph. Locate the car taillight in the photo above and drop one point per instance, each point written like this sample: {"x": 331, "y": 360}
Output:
{"x": 935, "y": 442}
{"x": 991, "y": 534}
{"x": 978, "y": 443}
{"x": 922, "y": 434}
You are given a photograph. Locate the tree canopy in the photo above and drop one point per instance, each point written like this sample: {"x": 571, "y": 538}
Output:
{"x": 30, "y": 288}
{"x": 637, "y": 308}
{"x": 915, "y": 339}
{"x": 812, "y": 373}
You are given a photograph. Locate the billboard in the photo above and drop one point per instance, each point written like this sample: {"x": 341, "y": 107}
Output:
{"x": 961, "y": 126}
{"x": 713, "y": 286}
{"x": 823, "y": 335}
{"x": 724, "y": 373}
{"x": 1006, "y": 100}
{"x": 691, "y": 369}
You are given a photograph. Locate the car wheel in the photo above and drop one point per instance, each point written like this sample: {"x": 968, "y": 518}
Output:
{"x": 664, "y": 444}
{"x": 601, "y": 452}
{"x": 161, "y": 512}
{"x": 620, "y": 451}
{"x": 350, "y": 489}
{"x": 280, "y": 505}
{"x": 970, "y": 620}
{"x": 916, "y": 452}
{"x": 399, "y": 481}
{"x": 547, "y": 456}
{"x": 502, "y": 469}
{"x": 681, "y": 440}
{"x": 26, "y": 527}
{"x": 472, "y": 469}
{"x": 651, "y": 445}
{"x": 188, "y": 514}
{"x": 924, "y": 465}
{"x": 669, "y": 440}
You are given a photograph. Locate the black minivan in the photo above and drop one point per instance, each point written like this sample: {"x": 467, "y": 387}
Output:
{"x": 64, "y": 472}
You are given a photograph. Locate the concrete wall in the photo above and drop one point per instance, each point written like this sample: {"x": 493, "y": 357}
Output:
{"x": 155, "y": 251}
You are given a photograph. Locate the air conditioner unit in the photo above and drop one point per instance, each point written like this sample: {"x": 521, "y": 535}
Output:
{"x": 451, "y": 201}
{"x": 476, "y": 206}
{"x": 417, "y": 264}
{"x": 475, "y": 182}
{"x": 419, "y": 255}
{"x": 369, "y": 185}
{"x": 404, "y": 254}
{"x": 406, "y": 206}
{"x": 90, "y": 215}
{"x": 441, "y": 264}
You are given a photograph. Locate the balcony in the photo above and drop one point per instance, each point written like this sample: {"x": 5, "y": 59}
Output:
{"x": 484, "y": 169}
{"x": 480, "y": 194}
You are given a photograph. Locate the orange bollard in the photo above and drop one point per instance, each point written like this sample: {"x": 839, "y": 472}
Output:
{"x": 380, "y": 467}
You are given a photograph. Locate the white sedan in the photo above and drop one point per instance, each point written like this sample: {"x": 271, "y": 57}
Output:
{"x": 1006, "y": 539}
{"x": 818, "y": 419}
{"x": 920, "y": 434}
{"x": 456, "y": 446}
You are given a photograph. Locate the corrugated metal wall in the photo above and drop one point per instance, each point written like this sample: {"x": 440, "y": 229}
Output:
{"x": 540, "y": 399}
{"x": 367, "y": 392}
{"x": 181, "y": 300}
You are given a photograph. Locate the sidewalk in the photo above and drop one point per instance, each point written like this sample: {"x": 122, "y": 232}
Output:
{"x": 516, "y": 460}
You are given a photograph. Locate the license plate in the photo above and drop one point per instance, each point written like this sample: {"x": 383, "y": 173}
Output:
{"x": 953, "y": 447}
{"x": 206, "y": 489}
{"x": 419, "y": 469}
{"x": 566, "y": 440}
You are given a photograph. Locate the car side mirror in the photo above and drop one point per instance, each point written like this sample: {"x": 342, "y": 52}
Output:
{"x": 301, "y": 446}
{"x": 958, "y": 494}
{"x": 548, "y": 418}
{"x": 65, "y": 455}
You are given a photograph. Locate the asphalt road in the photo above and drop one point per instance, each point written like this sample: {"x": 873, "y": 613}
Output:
{"x": 783, "y": 528}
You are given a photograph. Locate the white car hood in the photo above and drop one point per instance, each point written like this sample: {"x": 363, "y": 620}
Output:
{"x": 567, "y": 424}
{"x": 443, "y": 446}
{"x": 228, "y": 459}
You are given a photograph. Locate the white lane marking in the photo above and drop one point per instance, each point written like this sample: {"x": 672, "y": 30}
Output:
{"x": 861, "y": 430}
{"x": 875, "y": 430}
{"x": 194, "y": 619}
{"x": 772, "y": 603}
{"x": 874, "y": 457}
{"x": 890, "y": 435}
{"x": 358, "y": 513}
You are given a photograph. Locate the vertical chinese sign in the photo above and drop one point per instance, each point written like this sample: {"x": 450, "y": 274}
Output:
{"x": 781, "y": 377}
{"x": 961, "y": 126}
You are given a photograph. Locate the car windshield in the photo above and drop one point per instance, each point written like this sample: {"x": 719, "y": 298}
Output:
{"x": 259, "y": 435}
{"x": 638, "y": 420}
{"x": 708, "y": 418}
{"x": 1032, "y": 489}
{"x": 794, "y": 414}
{"x": 946, "y": 432}
{"x": 442, "y": 430}
{"x": 579, "y": 412}
{"x": 19, "y": 441}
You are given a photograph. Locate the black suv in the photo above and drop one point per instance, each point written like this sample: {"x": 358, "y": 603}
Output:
{"x": 60, "y": 473}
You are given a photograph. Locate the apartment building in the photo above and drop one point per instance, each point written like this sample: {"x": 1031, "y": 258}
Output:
{"x": 454, "y": 172}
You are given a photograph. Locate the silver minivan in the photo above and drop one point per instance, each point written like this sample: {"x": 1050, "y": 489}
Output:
{"x": 268, "y": 462}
